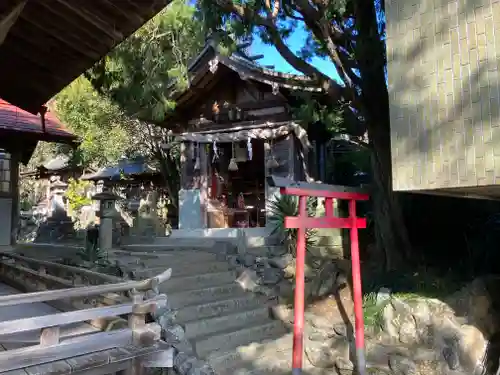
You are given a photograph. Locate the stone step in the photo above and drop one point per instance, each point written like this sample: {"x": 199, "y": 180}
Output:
{"x": 169, "y": 247}
{"x": 242, "y": 358}
{"x": 198, "y": 281}
{"x": 272, "y": 250}
{"x": 204, "y": 327}
{"x": 205, "y": 295}
{"x": 159, "y": 260}
{"x": 148, "y": 255}
{"x": 231, "y": 339}
{"x": 213, "y": 309}
{"x": 183, "y": 269}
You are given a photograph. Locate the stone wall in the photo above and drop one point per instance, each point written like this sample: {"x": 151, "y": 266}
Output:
{"x": 444, "y": 92}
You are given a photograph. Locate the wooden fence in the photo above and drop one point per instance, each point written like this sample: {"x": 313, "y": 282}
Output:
{"x": 129, "y": 347}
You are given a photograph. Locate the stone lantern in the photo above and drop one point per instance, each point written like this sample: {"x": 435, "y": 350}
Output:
{"x": 107, "y": 212}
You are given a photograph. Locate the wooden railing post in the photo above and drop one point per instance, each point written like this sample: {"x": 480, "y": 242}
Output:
{"x": 136, "y": 320}
{"x": 49, "y": 336}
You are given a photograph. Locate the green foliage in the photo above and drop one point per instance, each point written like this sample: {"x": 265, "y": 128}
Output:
{"x": 99, "y": 123}
{"x": 372, "y": 312}
{"x": 288, "y": 205}
{"x": 143, "y": 72}
{"x": 310, "y": 111}
{"x": 92, "y": 254}
{"x": 141, "y": 75}
{"x": 76, "y": 194}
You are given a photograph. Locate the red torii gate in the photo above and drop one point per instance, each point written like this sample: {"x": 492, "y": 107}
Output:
{"x": 302, "y": 222}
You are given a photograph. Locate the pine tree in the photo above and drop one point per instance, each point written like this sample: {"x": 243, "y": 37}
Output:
{"x": 351, "y": 34}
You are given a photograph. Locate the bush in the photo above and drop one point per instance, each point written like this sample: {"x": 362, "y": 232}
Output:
{"x": 76, "y": 194}
{"x": 288, "y": 205}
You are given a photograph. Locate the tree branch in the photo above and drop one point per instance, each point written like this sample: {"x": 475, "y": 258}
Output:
{"x": 324, "y": 29}
{"x": 272, "y": 10}
{"x": 246, "y": 14}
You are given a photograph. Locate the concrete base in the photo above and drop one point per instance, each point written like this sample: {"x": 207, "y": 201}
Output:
{"x": 253, "y": 236}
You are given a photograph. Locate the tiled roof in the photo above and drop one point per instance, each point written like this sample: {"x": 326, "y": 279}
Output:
{"x": 15, "y": 119}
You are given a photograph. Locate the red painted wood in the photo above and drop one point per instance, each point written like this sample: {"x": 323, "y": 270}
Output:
{"x": 356, "y": 279}
{"x": 323, "y": 222}
{"x": 325, "y": 194}
{"x": 298, "y": 326}
{"x": 303, "y": 222}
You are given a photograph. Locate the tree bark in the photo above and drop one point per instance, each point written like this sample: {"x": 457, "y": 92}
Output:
{"x": 390, "y": 228}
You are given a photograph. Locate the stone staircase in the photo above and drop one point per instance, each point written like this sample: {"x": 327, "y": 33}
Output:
{"x": 230, "y": 329}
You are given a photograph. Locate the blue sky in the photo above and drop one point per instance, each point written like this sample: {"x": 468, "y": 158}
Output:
{"x": 295, "y": 42}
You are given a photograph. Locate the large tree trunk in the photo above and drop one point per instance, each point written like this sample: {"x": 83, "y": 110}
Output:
{"x": 390, "y": 228}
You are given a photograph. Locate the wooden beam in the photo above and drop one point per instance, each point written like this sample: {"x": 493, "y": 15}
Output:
{"x": 119, "y": 8}
{"x": 91, "y": 19}
{"x": 8, "y": 18}
{"x": 41, "y": 59}
{"x": 36, "y": 355}
{"x": 52, "y": 295}
{"x": 45, "y": 321}
{"x": 281, "y": 182}
{"x": 62, "y": 32}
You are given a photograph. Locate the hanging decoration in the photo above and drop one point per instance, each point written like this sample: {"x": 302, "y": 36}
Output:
{"x": 216, "y": 153}
{"x": 249, "y": 148}
{"x": 197, "y": 162}
{"x": 191, "y": 150}
{"x": 233, "y": 166}
{"x": 272, "y": 162}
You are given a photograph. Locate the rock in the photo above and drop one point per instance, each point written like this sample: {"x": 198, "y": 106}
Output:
{"x": 319, "y": 322}
{"x": 221, "y": 257}
{"x": 265, "y": 291}
{"x": 276, "y": 251}
{"x": 233, "y": 261}
{"x": 474, "y": 302}
{"x": 340, "y": 329}
{"x": 166, "y": 319}
{"x": 326, "y": 281}
{"x": 383, "y": 295}
{"x": 375, "y": 370}
{"x": 180, "y": 358}
{"x": 325, "y": 354}
{"x": 249, "y": 280}
{"x": 402, "y": 366}
{"x": 472, "y": 346}
{"x": 281, "y": 262}
{"x": 205, "y": 369}
{"x": 451, "y": 357}
{"x": 271, "y": 276}
{"x": 389, "y": 322}
{"x": 248, "y": 260}
{"x": 344, "y": 366}
{"x": 173, "y": 334}
{"x": 285, "y": 289}
{"x": 185, "y": 347}
{"x": 185, "y": 367}
{"x": 290, "y": 271}
{"x": 408, "y": 333}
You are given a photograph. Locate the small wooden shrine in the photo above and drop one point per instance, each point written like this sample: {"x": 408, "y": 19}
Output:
{"x": 20, "y": 132}
{"x": 235, "y": 127}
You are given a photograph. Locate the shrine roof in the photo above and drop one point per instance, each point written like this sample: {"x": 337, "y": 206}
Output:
{"x": 14, "y": 120}
{"x": 44, "y": 45}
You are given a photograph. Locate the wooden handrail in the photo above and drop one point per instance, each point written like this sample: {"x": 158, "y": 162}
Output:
{"x": 51, "y": 295}
{"x": 50, "y": 344}
{"x": 64, "y": 267}
{"x": 58, "y": 319}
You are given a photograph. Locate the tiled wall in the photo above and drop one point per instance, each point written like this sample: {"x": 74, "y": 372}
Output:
{"x": 443, "y": 65}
